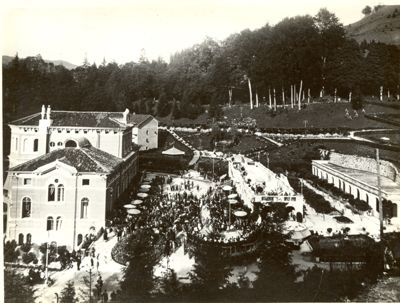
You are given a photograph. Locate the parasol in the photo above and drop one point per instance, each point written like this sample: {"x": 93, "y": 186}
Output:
{"x": 240, "y": 213}
{"x": 133, "y": 211}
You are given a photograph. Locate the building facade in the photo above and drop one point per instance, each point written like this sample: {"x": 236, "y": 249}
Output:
{"x": 358, "y": 176}
{"x": 67, "y": 169}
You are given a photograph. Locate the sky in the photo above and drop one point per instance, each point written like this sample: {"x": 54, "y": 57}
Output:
{"x": 123, "y": 30}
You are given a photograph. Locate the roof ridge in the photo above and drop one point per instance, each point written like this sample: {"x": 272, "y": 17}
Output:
{"x": 94, "y": 160}
{"x": 25, "y": 118}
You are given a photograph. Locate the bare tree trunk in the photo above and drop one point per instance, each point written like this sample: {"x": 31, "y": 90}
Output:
{"x": 334, "y": 98}
{"x": 388, "y": 95}
{"x": 250, "y": 93}
{"x": 230, "y": 96}
{"x": 350, "y": 93}
{"x": 301, "y": 86}
{"x": 308, "y": 96}
{"x": 381, "y": 93}
{"x": 291, "y": 96}
{"x": 283, "y": 97}
{"x": 294, "y": 94}
{"x": 269, "y": 98}
{"x": 321, "y": 93}
{"x": 274, "y": 100}
{"x": 256, "y": 99}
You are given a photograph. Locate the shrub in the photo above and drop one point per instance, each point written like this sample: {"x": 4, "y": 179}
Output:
{"x": 29, "y": 257}
{"x": 10, "y": 253}
{"x": 25, "y": 247}
{"x": 343, "y": 219}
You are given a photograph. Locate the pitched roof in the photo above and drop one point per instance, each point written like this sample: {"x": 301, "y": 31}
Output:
{"x": 86, "y": 159}
{"x": 85, "y": 119}
{"x": 139, "y": 119}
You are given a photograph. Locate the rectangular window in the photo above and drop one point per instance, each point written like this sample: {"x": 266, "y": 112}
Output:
{"x": 27, "y": 181}
{"x": 85, "y": 182}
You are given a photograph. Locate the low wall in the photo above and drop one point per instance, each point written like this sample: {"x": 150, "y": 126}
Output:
{"x": 387, "y": 169}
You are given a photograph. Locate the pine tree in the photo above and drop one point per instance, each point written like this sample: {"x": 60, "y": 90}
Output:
{"x": 276, "y": 279}
{"x": 211, "y": 271}
{"x": 138, "y": 281}
{"x": 17, "y": 288}
{"x": 68, "y": 293}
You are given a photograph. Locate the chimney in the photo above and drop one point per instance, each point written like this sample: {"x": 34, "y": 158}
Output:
{"x": 43, "y": 111}
{"x": 48, "y": 112}
{"x": 125, "y": 116}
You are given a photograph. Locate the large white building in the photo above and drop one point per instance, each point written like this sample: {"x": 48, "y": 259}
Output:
{"x": 67, "y": 169}
{"x": 358, "y": 176}
{"x": 256, "y": 183}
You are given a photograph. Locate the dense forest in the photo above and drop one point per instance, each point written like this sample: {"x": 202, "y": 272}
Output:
{"x": 313, "y": 50}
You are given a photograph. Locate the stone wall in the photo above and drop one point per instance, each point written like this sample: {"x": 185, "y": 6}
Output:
{"x": 367, "y": 164}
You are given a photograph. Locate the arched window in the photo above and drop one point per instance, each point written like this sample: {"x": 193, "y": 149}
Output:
{"x": 84, "y": 207}
{"x": 20, "y": 239}
{"x": 26, "y": 207}
{"x": 60, "y": 192}
{"x": 52, "y": 144}
{"x": 58, "y": 223}
{"x": 35, "y": 145}
{"x": 358, "y": 193}
{"x": 29, "y": 239}
{"x": 377, "y": 205}
{"x": 50, "y": 223}
{"x": 394, "y": 210}
{"x": 70, "y": 143}
{"x": 51, "y": 193}
{"x": 24, "y": 145}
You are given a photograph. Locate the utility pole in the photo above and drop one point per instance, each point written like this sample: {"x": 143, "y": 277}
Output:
{"x": 90, "y": 285}
{"x": 380, "y": 207}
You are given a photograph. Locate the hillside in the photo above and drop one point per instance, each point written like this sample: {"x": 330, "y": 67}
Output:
{"x": 67, "y": 65}
{"x": 381, "y": 26}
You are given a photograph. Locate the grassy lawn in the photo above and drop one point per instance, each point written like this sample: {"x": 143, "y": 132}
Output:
{"x": 317, "y": 115}
{"x": 393, "y": 136}
{"x": 297, "y": 155}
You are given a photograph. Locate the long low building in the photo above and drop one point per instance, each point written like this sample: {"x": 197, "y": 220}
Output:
{"x": 358, "y": 176}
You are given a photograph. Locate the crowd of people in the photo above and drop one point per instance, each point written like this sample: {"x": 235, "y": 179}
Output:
{"x": 179, "y": 208}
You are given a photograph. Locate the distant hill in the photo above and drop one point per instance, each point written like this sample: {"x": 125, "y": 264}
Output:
{"x": 382, "y": 25}
{"x": 67, "y": 65}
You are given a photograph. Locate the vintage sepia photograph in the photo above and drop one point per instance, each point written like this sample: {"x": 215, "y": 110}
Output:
{"x": 200, "y": 151}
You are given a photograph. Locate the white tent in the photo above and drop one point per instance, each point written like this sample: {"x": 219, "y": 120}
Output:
{"x": 173, "y": 151}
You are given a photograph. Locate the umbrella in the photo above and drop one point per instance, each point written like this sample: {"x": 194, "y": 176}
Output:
{"x": 227, "y": 188}
{"x": 143, "y": 190}
{"x": 232, "y": 196}
{"x": 145, "y": 186}
{"x": 137, "y": 202}
{"x": 232, "y": 201}
{"x": 133, "y": 211}
{"x": 127, "y": 206}
{"x": 240, "y": 213}
{"x": 142, "y": 195}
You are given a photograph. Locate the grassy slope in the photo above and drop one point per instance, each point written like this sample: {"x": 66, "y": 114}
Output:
{"x": 328, "y": 115}
{"x": 377, "y": 26}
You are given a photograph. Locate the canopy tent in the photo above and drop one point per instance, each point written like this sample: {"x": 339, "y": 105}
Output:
{"x": 232, "y": 201}
{"x": 145, "y": 186}
{"x": 142, "y": 195}
{"x": 137, "y": 202}
{"x": 232, "y": 196}
{"x": 173, "y": 151}
{"x": 143, "y": 190}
